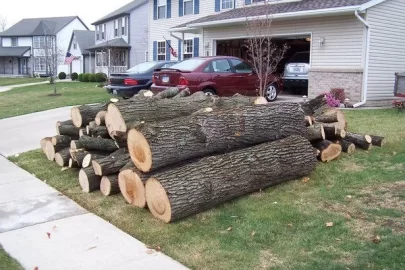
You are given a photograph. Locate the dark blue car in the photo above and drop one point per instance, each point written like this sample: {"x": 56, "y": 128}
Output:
{"x": 135, "y": 79}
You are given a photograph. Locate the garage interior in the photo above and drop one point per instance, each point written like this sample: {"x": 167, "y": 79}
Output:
{"x": 237, "y": 48}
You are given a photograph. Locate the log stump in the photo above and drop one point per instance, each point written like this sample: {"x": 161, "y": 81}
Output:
{"x": 88, "y": 180}
{"x": 362, "y": 141}
{"x": 109, "y": 185}
{"x": 83, "y": 115}
{"x": 328, "y": 150}
{"x": 62, "y": 157}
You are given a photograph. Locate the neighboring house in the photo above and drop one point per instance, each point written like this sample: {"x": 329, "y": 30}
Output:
{"x": 25, "y": 46}
{"x": 354, "y": 44}
{"x": 121, "y": 38}
{"x": 84, "y": 60}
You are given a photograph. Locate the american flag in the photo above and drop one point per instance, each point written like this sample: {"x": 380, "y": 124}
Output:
{"x": 69, "y": 58}
{"x": 172, "y": 51}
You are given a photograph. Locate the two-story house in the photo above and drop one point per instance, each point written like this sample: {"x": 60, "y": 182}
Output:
{"x": 84, "y": 59}
{"x": 27, "y": 47}
{"x": 121, "y": 38}
{"x": 352, "y": 44}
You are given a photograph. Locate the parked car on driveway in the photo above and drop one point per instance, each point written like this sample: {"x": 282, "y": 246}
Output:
{"x": 296, "y": 72}
{"x": 135, "y": 79}
{"x": 215, "y": 75}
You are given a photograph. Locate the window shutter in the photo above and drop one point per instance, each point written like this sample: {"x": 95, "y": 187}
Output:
{"x": 168, "y": 50}
{"x": 181, "y": 6}
{"x": 155, "y": 9}
{"x": 217, "y": 5}
{"x": 154, "y": 50}
{"x": 180, "y": 50}
{"x": 196, "y": 6}
{"x": 196, "y": 44}
{"x": 169, "y": 9}
{"x": 248, "y": 2}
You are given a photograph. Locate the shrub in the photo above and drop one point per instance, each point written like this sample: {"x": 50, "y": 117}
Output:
{"x": 101, "y": 77}
{"x": 331, "y": 100}
{"x": 339, "y": 94}
{"x": 86, "y": 77}
{"x": 62, "y": 75}
{"x": 92, "y": 77}
{"x": 81, "y": 77}
{"x": 74, "y": 76}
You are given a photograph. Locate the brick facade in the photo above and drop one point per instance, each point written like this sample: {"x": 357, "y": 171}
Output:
{"x": 323, "y": 80}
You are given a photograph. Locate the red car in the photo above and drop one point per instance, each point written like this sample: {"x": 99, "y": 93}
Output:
{"x": 215, "y": 75}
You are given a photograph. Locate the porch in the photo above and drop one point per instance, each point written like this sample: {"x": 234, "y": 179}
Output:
{"x": 15, "y": 61}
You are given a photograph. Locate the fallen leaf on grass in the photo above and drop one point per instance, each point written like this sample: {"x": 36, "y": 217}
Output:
{"x": 376, "y": 239}
{"x": 329, "y": 224}
{"x": 158, "y": 248}
{"x": 349, "y": 197}
{"x": 253, "y": 233}
{"x": 289, "y": 225}
{"x": 305, "y": 179}
{"x": 49, "y": 235}
{"x": 64, "y": 169}
{"x": 229, "y": 229}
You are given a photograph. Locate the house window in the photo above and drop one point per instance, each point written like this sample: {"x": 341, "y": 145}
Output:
{"x": 39, "y": 42}
{"x": 101, "y": 59}
{"x": 39, "y": 64}
{"x": 14, "y": 42}
{"x": 161, "y": 50}
{"x": 161, "y": 10}
{"x": 116, "y": 28}
{"x": 124, "y": 26}
{"x": 98, "y": 32}
{"x": 188, "y": 7}
{"x": 103, "y": 32}
{"x": 225, "y": 4}
{"x": 188, "y": 49}
{"x": 74, "y": 43}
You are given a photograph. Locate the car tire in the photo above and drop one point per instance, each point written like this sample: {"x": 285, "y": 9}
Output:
{"x": 271, "y": 92}
{"x": 209, "y": 92}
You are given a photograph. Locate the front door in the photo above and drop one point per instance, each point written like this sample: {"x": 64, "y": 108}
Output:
{"x": 23, "y": 65}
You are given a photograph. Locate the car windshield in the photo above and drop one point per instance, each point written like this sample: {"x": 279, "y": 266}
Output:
{"x": 142, "y": 67}
{"x": 189, "y": 64}
{"x": 300, "y": 58}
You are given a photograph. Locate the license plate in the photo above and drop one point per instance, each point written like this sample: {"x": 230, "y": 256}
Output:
{"x": 114, "y": 92}
{"x": 165, "y": 79}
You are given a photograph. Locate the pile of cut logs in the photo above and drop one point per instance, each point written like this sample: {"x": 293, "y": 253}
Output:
{"x": 181, "y": 154}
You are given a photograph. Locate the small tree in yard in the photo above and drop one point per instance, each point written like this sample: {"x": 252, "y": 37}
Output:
{"x": 3, "y": 23}
{"x": 264, "y": 55}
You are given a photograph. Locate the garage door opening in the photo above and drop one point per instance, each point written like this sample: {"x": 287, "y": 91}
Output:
{"x": 295, "y": 74}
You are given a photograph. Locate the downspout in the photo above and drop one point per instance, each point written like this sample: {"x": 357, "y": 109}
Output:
{"x": 365, "y": 75}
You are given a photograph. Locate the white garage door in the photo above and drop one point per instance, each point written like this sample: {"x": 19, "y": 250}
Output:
{"x": 76, "y": 66}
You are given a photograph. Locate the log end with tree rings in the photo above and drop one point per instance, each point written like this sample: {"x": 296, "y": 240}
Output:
{"x": 158, "y": 202}
{"x": 114, "y": 120}
{"x": 97, "y": 168}
{"x": 139, "y": 150}
{"x": 50, "y": 150}
{"x": 76, "y": 117}
{"x": 83, "y": 181}
{"x": 132, "y": 188}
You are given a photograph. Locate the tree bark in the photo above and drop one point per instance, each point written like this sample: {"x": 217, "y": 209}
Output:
{"x": 199, "y": 186}
{"x": 167, "y": 93}
{"x": 93, "y": 155}
{"x": 73, "y": 163}
{"x": 347, "y": 147}
{"x": 183, "y": 93}
{"x": 112, "y": 163}
{"x": 312, "y": 105}
{"x": 109, "y": 185}
{"x": 61, "y": 140}
{"x": 308, "y": 121}
{"x": 101, "y": 144}
{"x": 377, "y": 140}
{"x": 98, "y": 131}
{"x": 360, "y": 140}
{"x": 100, "y": 118}
{"x": 62, "y": 157}
{"x": 79, "y": 157}
{"x": 88, "y": 180}
{"x": 51, "y": 149}
{"x": 83, "y": 132}
{"x": 315, "y": 132}
{"x": 83, "y": 115}
{"x": 332, "y": 117}
{"x": 328, "y": 150}
{"x": 62, "y": 123}
{"x": 155, "y": 146}
{"x": 75, "y": 144}
{"x": 69, "y": 130}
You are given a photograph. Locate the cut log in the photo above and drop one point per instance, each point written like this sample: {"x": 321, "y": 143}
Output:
{"x": 331, "y": 117}
{"x": 329, "y": 150}
{"x": 61, "y": 140}
{"x": 83, "y": 132}
{"x": 132, "y": 187}
{"x": 73, "y": 163}
{"x": 342, "y": 123}
{"x": 210, "y": 181}
{"x": 308, "y": 121}
{"x": 330, "y": 130}
{"x": 155, "y": 146}
{"x": 321, "y": 110}
{"x": 183, "y": 93}
{"x": 75, "y": 144}
{"x": 347, "y": 147}
{"x": 377, "y": 140}
{"x": 43, "y": 143}
{"x": 98, "y": 131}
{"x": 83, "y": 115}
{"x": 167, "y": 93}
{"x": 109, "y": 185}
{"x": 101, "y": 144}
{"x": 360, "y": 140}
{"x": 62, "y": 157}
{"x": 112, "y": 163}
{"x": 315, "y": 132}
{"x": 93, "y": 155}
{"x": 79, "y": 157}
{"x": 51, "y": 150}
{"x": 88, "y": 180}
{"x": 62, "y": 123}
{"x": 130, "y": 165}
{"x": 100, "y": 118}
{"x": 69, "y": 130}
{"x": 312, "y": 105}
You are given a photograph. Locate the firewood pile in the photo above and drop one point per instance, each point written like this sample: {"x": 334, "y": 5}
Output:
{"x": 180, "y": 154}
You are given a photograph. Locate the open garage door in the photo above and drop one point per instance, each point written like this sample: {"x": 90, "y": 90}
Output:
{"x": 295, "y": 74}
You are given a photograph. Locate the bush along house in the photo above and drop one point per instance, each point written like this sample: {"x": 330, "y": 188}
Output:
{"x": 121, "y": 38}
{"x": 353, "y": 45}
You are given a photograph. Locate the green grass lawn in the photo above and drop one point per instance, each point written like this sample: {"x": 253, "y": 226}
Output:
{"x": 8, "y": 263}
{"x": 283, "y": 227}
{"x": 21, "y": 80}
{"x": 36, "y": 98}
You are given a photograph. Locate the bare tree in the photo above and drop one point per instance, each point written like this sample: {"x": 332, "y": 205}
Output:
{"x": 264, "y": 55}
{"x": 3, "y": 23}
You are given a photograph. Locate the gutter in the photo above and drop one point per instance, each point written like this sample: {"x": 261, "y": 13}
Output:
{"x": 365, "y": 75}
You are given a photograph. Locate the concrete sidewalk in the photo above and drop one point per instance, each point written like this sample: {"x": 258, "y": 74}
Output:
{"x": 40, "y": 227}
{"x": 10, "y": 87}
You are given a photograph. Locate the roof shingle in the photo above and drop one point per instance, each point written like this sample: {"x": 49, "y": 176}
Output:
{"x": 85, "y": 39}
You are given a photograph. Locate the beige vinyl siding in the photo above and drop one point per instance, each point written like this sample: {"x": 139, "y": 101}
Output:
{"x": 343, "y": 35}
{"x": 387, "y": 49}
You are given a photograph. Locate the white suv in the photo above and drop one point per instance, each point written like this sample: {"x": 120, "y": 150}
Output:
{"x": 296, "y": 72}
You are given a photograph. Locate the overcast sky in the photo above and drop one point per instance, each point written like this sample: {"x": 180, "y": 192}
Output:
{"x": 88, "y": 10}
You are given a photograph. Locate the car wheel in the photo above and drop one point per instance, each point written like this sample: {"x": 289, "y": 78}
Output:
{"x": 271, "y": 92}
{"x": 209, "y": 92}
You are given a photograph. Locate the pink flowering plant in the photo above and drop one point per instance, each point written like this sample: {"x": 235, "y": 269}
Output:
{"x": 331, "y": 100}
